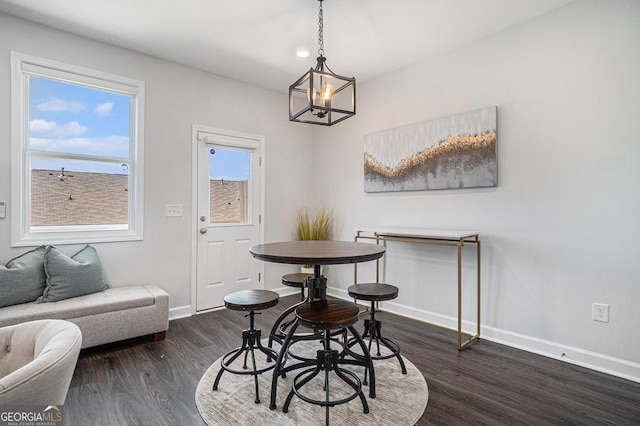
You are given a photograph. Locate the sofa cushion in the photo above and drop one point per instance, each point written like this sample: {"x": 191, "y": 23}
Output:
{"x": 23, "y": 278}
{"x": 112, "y": 299}
{"x": 72, "y": 276}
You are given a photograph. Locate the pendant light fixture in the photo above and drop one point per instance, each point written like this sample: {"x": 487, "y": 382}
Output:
{"x": 320, "y": 96}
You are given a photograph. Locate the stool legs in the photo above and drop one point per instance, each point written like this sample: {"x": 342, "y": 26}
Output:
{"x": 327, "y": 361}
{"x": 250, "y": 342}
{"x": 366, "y": 361}
{"x": 278, "y": 330}
{"x": 372, "y": 330}
{"x": 280, "y": 370}
{"x": 280, "y": 362}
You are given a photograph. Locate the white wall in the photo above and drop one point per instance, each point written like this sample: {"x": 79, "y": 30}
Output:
{"x": 176, "y": 98}
{"x": 562, "y": 228}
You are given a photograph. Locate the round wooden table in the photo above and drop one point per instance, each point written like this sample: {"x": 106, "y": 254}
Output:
{"x": 316, "y": 253}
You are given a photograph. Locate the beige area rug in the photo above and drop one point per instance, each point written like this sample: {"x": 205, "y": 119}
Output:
{"x": 400, "y": 399}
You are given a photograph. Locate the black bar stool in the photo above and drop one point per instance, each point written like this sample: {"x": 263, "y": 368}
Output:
{"x": 296, "y": 280}
{"x": 249, "y": 300}
{"x": 376, "y": 292}
{"x": 314, "y": 287}
{"x": 325, "y": 316}
{"x": 279, "y": 328}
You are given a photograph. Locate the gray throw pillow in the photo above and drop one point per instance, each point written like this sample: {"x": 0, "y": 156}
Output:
{"x": 23, "y": 279}
{"x": 72, "y": 276}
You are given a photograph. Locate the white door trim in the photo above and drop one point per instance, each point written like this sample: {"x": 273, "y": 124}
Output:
{"x": 233, "y": 137}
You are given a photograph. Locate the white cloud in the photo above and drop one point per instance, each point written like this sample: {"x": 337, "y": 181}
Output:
{"x": 109, "y": 146}
{"x": 70, "y": 129}
{"x": 42, "y": 126}
{"x": 104, "y": 109}
{"x": 58, "y": 105}
{"x": 52, "y": 129}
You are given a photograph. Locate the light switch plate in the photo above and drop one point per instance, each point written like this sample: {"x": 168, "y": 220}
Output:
{"x": 3, "y": 210}
{"x": 173, "y": 210}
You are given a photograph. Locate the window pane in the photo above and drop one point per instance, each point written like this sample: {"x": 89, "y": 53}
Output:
{"x": 74, "y": 119}
{"x": 74, "y": 193}
{"x": 229, "y": 173}
{"x": 80, "y": 177}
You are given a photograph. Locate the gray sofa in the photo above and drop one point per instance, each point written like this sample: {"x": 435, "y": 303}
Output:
{"x": 45, "y": 283}
{"x": 114, "y": 314}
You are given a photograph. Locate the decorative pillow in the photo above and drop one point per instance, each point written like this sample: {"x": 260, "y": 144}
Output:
{"x": 72, "y": 276}
{"x": 23, "y": 279}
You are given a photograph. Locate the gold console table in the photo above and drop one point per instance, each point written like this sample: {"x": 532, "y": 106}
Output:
{"x": 436, "y": 237}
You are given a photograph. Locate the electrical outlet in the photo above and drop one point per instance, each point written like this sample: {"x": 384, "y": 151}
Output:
{"x": 600, "y": 312}
{"x": 173, "y": 210}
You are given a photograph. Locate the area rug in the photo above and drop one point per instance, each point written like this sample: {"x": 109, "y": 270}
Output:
{"x": 400, "y": 399}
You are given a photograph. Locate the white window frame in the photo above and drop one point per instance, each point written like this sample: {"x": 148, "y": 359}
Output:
{"x": 22, "y": 234}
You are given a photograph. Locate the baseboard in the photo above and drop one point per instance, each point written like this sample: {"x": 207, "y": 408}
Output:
{"x": 179, "y": 312}
{"x": 286, "y": 291}
{"x": 592, "y": 360}
{"x": 584, "y": 358}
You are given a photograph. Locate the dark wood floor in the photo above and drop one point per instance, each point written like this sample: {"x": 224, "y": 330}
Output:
{"x": 153, "y": 383}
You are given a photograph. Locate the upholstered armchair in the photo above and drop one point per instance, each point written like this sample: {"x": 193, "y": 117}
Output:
{"x": 37, "y": 360}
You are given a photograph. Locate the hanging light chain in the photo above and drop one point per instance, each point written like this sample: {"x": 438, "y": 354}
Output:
{"x": 320, "y": 31}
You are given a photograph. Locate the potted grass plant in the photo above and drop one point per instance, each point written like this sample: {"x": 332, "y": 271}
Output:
{"x": 318, "y": 226}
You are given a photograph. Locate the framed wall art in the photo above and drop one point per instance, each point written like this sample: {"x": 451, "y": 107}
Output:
{"x": 458, "y": 151}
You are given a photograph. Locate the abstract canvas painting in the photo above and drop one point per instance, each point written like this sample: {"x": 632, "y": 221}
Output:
{"x": 458, "y": 151}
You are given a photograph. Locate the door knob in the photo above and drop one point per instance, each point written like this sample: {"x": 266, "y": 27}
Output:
{"x": 203, "y": 230}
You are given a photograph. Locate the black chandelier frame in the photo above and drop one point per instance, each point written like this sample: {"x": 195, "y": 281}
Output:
{"x": 321, "y": 96}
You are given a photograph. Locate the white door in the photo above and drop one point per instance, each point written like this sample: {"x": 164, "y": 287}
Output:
{"x": 229, "y": 184}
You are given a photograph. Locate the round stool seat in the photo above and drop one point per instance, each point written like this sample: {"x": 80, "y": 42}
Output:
{"x": 295, "y": 279}
{"x": 251, "y": 300}
{"x": 328, "y": 314}
{"x": 373, "y": 291}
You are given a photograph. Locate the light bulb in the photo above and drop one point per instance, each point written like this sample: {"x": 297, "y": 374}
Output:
{"x": 327, "y": 92}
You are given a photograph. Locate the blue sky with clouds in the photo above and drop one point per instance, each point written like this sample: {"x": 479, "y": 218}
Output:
{"x": 229, "y": 164}
{"x": 75, "y": 119}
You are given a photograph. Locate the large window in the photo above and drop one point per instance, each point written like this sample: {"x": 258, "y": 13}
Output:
{"x": 77, "y": 161}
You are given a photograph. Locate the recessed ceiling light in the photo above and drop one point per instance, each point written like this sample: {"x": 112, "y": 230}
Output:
{"x": 303, "y": 52}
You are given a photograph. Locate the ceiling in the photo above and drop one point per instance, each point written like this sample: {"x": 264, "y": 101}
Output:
{"x": 255, "y": 41}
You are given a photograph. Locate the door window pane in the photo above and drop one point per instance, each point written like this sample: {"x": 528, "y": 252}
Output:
{"x": 229, "y": 173}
